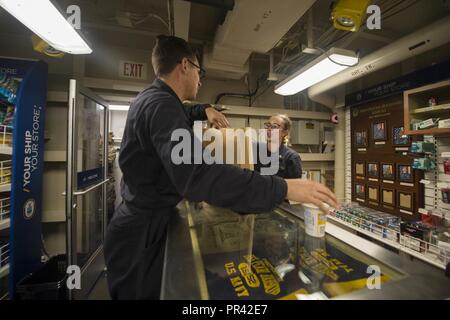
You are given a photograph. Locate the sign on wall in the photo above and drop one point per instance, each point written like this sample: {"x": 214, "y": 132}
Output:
{"x": 133, "y": 70}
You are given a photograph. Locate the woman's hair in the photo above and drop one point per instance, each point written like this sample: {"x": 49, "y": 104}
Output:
{"x": 287, "y": 124}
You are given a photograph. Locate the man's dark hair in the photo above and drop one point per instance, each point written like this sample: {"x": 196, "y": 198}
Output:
{"x": 168, "y": 52}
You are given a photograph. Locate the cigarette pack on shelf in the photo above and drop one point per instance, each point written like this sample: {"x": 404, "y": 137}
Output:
{"x": 422, "y": 147}
{"x": 5, "y": 135}
{"x": 429, "y": 123}
{"x": 423, "y": 240}
{"x": 5, "y": 209}
{"x": 444, "y": 251}
{"x": 4, "y": 253}
{"x": 5, "y": 171}
{"x": 382, "y": 224}
{"x": 446, "y": 166}
{"x": 444, "y": 124}
{"x": 416, "y": 235}
{"x": 424, "y": 164}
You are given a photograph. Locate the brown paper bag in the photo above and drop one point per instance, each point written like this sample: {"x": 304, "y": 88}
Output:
{"x": 243, "y": 152}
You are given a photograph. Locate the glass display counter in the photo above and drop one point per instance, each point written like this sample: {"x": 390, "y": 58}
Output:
{"x": 215, "y": 253}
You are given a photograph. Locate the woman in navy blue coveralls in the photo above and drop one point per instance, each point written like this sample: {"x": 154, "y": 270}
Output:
{"x": 290, "y": 164}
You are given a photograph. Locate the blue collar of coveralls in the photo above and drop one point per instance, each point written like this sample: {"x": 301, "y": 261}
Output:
{"x": 281, "y": 151}
{"x": 160, "y": 84}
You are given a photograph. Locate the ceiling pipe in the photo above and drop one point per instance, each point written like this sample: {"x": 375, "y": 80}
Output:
{"x": 169, "y": 16}
{"x": 423, "y": 40}
{"x": 222, "y": 4}
{"x": 252, "y": 26}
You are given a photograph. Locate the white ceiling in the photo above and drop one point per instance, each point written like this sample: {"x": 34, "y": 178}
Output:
{"x": 99, "y": 24}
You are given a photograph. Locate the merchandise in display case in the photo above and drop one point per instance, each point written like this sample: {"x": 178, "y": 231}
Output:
{"x": 270, "y": 256}
{"x": 5, "y": 172}
{"x": 4, "y": 253}
{"x": 5, "y": 208}
{"x": 424, "y": 237}
{"x": 427, "y": 109}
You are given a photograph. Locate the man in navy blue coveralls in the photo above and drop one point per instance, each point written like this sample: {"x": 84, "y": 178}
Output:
{"x": 152, "y": 185}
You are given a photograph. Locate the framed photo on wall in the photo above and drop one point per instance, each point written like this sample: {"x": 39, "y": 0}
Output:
{"x": 361, "y": 139}
{"x": 387, "y": 171}
{"x": 374, "y": 193}
{"x": 398, "y": 137}
{"x": 379, "y": 131}
{"x": 388, "y": 197}
{"x": 373, "y": 170}
{"x": 405, "y": 173}
{"x": 360, "y": 169}
{"x": 360, "y": 191}
{"x": 405, "y": 200}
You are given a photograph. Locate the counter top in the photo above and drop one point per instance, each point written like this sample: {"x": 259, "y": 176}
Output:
{"x": 215, "y": 253}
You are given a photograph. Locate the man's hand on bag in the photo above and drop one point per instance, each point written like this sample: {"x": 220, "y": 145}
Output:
{"x": 217, "y": 119}
{"x": 306, "y": 191}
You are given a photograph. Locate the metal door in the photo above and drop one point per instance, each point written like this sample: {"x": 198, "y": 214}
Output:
{"x": 86, "y": 194}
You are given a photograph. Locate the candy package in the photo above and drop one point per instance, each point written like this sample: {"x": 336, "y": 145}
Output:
{"x": 8, "y": 87}
{"x": 9, "y": 116}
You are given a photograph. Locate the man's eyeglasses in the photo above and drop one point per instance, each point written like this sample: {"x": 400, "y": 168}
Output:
{"x": 201, "y": 71}
{"x": 274, "y": 126}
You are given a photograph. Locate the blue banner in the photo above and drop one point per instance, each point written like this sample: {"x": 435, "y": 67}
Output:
{"x": 27, "y": 159}
{"x": 436, "y": 73}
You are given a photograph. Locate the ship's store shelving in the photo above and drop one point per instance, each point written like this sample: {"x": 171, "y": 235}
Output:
{"x": 23, "y": 88}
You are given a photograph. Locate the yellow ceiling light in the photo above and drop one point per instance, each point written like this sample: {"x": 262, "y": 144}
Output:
{"x": 44, "y": 19}
{"x": 348, "y": 15}
{"x": 41, "y": 46}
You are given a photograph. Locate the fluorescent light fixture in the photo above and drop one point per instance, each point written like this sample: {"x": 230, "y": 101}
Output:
{"x": 328, "y": 64}
{"x": 119, "y": 107}
{"x": 42, "y": 17}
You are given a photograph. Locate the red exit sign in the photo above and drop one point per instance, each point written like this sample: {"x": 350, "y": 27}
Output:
{"x": 133, "y": 70}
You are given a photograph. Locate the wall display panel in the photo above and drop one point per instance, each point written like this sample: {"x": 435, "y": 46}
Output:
{"x": 386, "y": 159}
